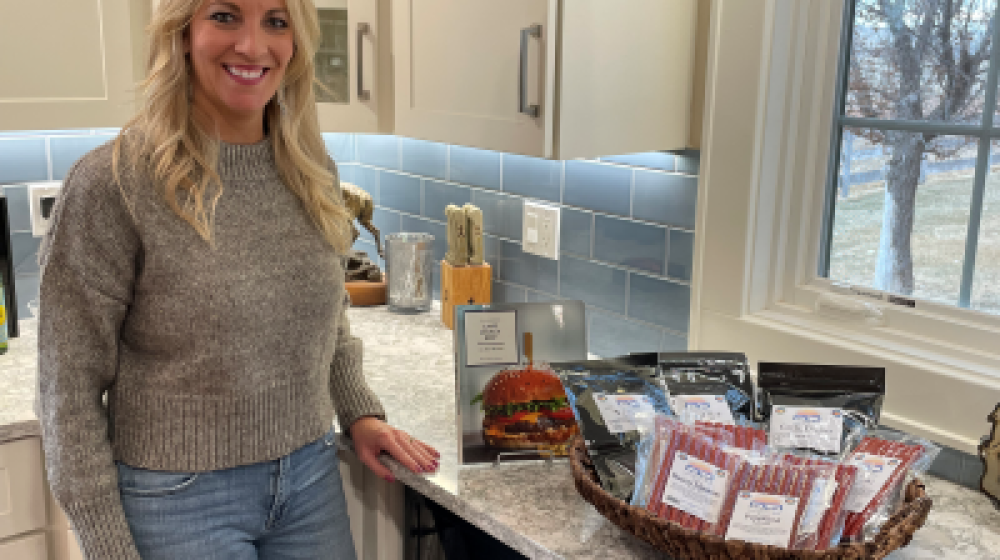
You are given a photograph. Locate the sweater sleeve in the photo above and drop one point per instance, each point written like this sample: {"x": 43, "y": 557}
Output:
{"x": 89, "y": 265}
{"x": 351, "y": 395}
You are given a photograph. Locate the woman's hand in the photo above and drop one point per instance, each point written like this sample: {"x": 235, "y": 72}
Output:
{"x": 372, "y": 436}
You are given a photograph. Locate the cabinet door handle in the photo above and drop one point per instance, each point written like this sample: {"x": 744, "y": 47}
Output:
{"x": 530, "y": 110}
{"x": 363, "y": 94}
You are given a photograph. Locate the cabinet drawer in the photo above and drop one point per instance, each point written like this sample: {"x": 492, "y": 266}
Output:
{"x": 32, "y": 547}
{"x": 64, "y": 545}
{"x": 22, "y": 498}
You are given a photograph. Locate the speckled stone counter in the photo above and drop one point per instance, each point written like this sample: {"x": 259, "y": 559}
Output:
{"x": 18, "y": 382}
{"x": 532, "y": 506}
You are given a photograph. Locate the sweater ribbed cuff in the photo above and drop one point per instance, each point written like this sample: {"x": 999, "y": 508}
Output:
{"x": 353, "y": 398}
{"x": 102, "y": 529}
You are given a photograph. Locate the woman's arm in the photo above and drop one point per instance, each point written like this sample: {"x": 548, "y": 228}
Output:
{"x": 89, "y": 266}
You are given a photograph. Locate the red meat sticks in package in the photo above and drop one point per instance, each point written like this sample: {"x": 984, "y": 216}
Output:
{"x": 883, "y": 468}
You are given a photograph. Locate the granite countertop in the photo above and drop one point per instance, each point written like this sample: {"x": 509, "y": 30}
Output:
{"x": 532, "y": 506}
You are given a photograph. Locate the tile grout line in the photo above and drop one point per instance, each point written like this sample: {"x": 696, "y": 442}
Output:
{"x": 48, "y": 157}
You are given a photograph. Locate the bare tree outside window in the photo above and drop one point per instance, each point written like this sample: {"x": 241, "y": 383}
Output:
{"x": 914, "y": 125}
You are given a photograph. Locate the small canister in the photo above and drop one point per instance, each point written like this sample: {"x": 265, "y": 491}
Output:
{"x": 408, "y": 265}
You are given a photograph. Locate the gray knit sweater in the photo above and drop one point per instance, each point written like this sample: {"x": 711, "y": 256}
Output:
{"x": 209, "y": 357}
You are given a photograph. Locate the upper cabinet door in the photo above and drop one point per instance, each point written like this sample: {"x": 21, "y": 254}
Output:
{"x": 70, "y": 63}
{"x": 354, "y": 66}
{"x": 548, "y": 78}
{"x": 476, "y": 73}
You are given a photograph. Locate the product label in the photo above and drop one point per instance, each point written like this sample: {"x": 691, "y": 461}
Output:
{"x": 696, "y": 487}
{"x": 873, "y": 472}
{"x": 812, "y": 427}
{"x": 707, "y": 408}
{"x": 763, "y": 518}
{"x": 820, "y": 499}
{"x": 490, "y": 338}
{"x": 624, "y": 413}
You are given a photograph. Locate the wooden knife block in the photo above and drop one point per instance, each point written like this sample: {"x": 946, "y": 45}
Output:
{"x": 464, "y": 285}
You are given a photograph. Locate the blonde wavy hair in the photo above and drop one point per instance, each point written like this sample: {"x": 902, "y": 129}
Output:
{"x": 182, "y": 155}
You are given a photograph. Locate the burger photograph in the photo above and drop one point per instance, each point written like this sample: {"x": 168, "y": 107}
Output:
{"x": 518, "y": 409}
{"x": 527, "y": 409}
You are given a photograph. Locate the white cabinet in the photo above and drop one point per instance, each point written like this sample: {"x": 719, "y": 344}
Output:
{"x": 22, "y": 494}
{"x": 70, "y": 63}
{"x": 376, "y": 509}
{"x": 22, "y": 501}
{"x": 31, "y": 547}
{"x": 549, "y": 78}
{"x": 354, "y": 64}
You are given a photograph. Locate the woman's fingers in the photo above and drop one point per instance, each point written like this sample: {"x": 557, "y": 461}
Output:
{"x": 414, "y": 454}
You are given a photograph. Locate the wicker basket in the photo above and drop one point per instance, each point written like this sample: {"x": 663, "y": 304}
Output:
{"x": 681, "y": 543}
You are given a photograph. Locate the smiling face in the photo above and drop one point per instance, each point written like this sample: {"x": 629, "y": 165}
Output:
{"x": 239, "y": 51}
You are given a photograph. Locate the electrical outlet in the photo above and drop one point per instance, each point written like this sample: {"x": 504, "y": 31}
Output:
{"x": 540, "y": 234}
{"x": 41, "y": 197}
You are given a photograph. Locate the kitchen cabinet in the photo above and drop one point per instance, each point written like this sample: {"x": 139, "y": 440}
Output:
{"x": 548, "y": 78}
{"x": 22, "y": 500}
{"x": 354, "y": 66}
{"x": 70, "y": 63}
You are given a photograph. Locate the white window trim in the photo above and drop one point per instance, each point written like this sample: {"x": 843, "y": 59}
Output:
{"x": 768, "y": 117}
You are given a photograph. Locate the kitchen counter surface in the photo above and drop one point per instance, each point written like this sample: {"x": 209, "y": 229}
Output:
{"x": 532, "y": 506}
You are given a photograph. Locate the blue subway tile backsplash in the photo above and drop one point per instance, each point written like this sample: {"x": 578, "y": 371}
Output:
{"x": 378, "y": 150}
{"x": 531, "y": 177}
{"x": 66, "y": 150}
{"x": 340, "y": 147}
{"x": 399, "y": 192}
{"x": 626, "y": 231}
{"x": 631, "y": 244}
{"x": 594, "y": 283}
{"x": 472, "y": 166}
{"x": 660, "y": 302}
{"x": 438, "y": 195}
{"x": 23, "y": 159}
{"x": 600, "y": 187}
{"x": 576, "y": 229}
{"x": 612, "y": 334}
{"x": 502, "y": 214}
{"x": 667, "y": 198}
{"x": 421, "y": 157}
{"x": 680, "y": 255}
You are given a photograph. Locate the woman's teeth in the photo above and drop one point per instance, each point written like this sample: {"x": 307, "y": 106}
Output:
{"x": 245, "y": 74}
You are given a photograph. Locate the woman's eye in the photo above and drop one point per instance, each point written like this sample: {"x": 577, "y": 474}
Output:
{"x": 277, "y": 23}
{"x": 223, "y": 17}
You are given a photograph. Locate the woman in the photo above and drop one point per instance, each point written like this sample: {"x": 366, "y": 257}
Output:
{"x": 193, "y": 343}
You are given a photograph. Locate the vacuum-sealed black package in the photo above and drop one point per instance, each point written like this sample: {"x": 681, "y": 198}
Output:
{"x": 696, "y": 399}
{"x": 708, "y": 386}
{"x": 730, "y": 367}
{"x": 614, "y": 404}
{"x": 821, "y": 408}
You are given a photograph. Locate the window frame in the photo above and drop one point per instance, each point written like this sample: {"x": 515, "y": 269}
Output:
{"x": 985, "y": 131}
{"x": 765, "y": 164}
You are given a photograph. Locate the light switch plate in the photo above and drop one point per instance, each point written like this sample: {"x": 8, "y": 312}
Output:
{"x": 540, "y": 235}
{"x": 36, "y": 192}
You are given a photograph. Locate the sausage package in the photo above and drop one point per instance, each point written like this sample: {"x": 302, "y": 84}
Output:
{"x": 613, "y": 403}
{"x": 825, "y": 409}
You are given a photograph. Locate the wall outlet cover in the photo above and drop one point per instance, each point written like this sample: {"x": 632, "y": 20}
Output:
{"x": 36, "y": 193}
{"x": 540, "y": 230}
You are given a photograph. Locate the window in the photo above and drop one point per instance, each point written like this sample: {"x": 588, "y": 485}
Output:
{"x": 774, "y": 135}
{"x": 913, "y": 202}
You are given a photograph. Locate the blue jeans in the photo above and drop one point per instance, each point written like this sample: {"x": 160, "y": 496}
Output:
{"x": 292, "y": 508}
